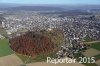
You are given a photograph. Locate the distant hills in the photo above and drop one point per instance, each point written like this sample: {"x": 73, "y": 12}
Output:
{"x": 8, "y": 5}
{"x": 36, "y": 8}
{"x": 27, "y": 7}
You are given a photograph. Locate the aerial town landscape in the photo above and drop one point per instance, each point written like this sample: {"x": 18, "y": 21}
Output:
{"x": 29, "y": 34}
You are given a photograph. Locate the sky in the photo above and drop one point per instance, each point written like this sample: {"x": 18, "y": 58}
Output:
{"x": 65, "y": 2}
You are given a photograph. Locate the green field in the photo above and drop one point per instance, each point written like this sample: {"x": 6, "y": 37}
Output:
{"x": 96, "y": 46}
{"x": 4, "y": 48}
{"x": 97, "y": 57}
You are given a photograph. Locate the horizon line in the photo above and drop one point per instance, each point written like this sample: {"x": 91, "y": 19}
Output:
{"x": 45, "y": 4}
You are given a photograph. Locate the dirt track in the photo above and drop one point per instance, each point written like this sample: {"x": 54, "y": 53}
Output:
{"x": 10, "y": 60}
{"x": 13, "y": 60}
{"x": 45, "y": 64}
{"x": 98, "y": 62}
{"x": 92, "y": 42}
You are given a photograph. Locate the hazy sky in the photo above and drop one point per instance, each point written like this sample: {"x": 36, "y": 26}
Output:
{"x": 66, "y": 2}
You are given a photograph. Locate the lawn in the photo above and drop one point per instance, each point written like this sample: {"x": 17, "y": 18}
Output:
{"x": 96, "y": 46}
{"x": 4, "y": 48}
